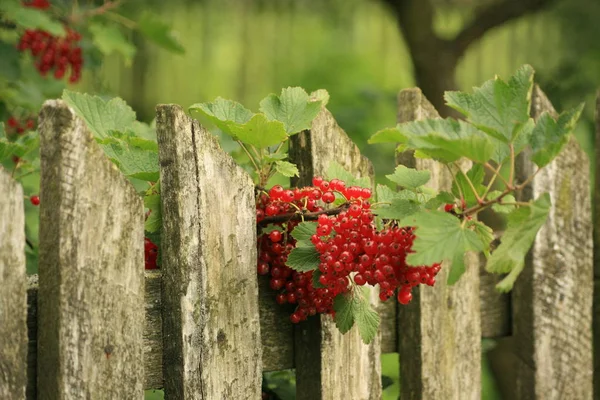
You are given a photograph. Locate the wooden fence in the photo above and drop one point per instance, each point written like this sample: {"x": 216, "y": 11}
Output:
{"x": 94, "y": 324}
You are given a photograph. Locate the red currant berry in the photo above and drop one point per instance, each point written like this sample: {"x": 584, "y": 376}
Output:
{"x": 35, "y": 200}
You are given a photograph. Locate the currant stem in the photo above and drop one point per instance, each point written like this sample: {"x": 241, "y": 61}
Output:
{"x": 491, "y": 182}
{"x": 479, "y": 200}
{"x": 249, "y": 156}
{"x": 299, "y": 216}
{"x": 497, "y": 172}
{"x": 511, "y": 175}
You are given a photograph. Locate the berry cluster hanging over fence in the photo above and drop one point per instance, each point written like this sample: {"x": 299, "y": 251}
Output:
{"x": 95, "y": 324}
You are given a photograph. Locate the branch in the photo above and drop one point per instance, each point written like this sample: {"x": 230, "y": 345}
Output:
{"x": 297, "y": 216}
{"x": 493, "y": 16}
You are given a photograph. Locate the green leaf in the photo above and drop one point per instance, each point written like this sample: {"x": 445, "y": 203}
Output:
{"x": 550, "y": 136}
{"x": 101, "y": 116}
{"x": 259, "y": 131}
{"x": 286, "y": 168}
{"x": 502, "y": 208}
{"x": 439, "y": 236}
{"x": 336, "y": 171}
{"x": 400, "y": 208}
{"x": 355, "y": 307}
{"x": 20, "y": 147}
{"x": 439, "y": 200}
{"x": 303, "y": 259}
{"x": 31, "y": 18}
{"x": 136, "y": 157}
{"x": 387, "y": 135}
{"x": 498, "y": 108}
{"x": 303, "y": 231}
{"x": 457, "y": 268}
{"x": 275, "y": 157}
{"x": 154, "y": 220}
{"x": 485, "y": 233}
{"x": 109, "y": 39}
{"x": 223, "y": 113}
{"x": 344, "y": 304}
{"x": 367, "y": 320}
{"x": 159, "y": 32}
{"x": 293, "y": 107}
{"x": 409, "y": 178}
{"x": 475, "y": 175}
{"x": 523, "y": 225}
{"x": 383, "y": 193}
{"x": 10, "y": 68}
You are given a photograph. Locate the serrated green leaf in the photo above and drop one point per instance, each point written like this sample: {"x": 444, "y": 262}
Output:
{"x": 387, "y": 135}
{"x": 550, "y": 136}
{"x": 101, "y": 116}
{"x": 159, "y": 32}
{"x": 336, "y": 171}
{"x": 457, "y": 268}
{"x": 367, "y": 321}
{"x": 503, "y": 208}
{"x": 303, "y": 259}
{"x": 154, "y": 221}
{"x": 447, "y": 140}
{"x": 398, "y": 209}
{"x": 109, "y": 39}
{"x": 523, "y": 225}
{"x": 498, "y": 108}
{"x": 485, "y": 233}
{"x": 383, "y": 193}
{"x": 31, "y": 18}
{"x": 265, "y": 230}
{"x": 439, "y": 200}
{"x": 259, "y": 131}
{"x": 23, "y": 145}
{"x": 439, "y": 236}
{"x": 275, "y": 157}
{"x": 409, "y": 178}
{"x": 286, "y": 168}
{"x": 293, "y": 107}
{"x": 223, "y": 113}
{"x": 344, "y": 304}
{"x": 136, "y": 157}
{"x": 475, "y": 175}
{"x": 303, "y": 231}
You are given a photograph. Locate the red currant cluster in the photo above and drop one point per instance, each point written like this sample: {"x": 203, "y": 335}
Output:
{"x": 16, "y": 126}
{"x": 150, "y": 254}
{"x": 349, "y": 244}
{"x": 52, "y": 52}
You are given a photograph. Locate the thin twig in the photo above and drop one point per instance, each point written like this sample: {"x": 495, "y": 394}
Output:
{"x": 489, "y": 166}
{"x": 511, "y": 174}
{"x": 300, "y": 216}
{"x": 471, "y": 186}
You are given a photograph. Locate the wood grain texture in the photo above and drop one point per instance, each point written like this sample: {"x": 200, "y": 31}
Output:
{"x": 552, "y": 299}
{"x": 91, "y": 293}
{"x": 495, "y": 306}
{"x": 153, "y": 355}
{"x": 32, "y": 317}
{"x": 330, "y": 365}
{"x": 439, "y": 331}
{"x": 211, "y": 327}
{"x": 13, "y": 295}
{"x": 596, "y": 210}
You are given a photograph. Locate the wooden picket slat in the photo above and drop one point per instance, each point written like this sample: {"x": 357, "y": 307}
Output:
{"x": 439, "y": 331}
{"x": 330, "y": 365}
{"x": 91, "y": 288}
{"x": 552, "y": 298}
{"x": 211, "y": 328}
{"x": 596, "y": 210}
{"x": 13, "y": 295}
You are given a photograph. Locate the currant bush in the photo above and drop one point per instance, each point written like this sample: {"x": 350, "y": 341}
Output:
{"x": 352, "y": 251}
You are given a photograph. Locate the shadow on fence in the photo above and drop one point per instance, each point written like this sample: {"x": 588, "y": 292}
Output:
{"x": 94, "y": 324}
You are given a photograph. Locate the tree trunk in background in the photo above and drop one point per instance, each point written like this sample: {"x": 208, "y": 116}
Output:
{"x": 435, "y": 59}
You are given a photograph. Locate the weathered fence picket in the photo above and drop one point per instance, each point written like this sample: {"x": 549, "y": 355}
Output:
{"x": 596, "y": 221}
{"x": 330, "y": 365}
{"x": 90, "y": 298}
{"x": 552, "y": 299}
{"x": 211, "y": 327}
{"x": 439, "y": 331}
{"x": 13, "y": 286}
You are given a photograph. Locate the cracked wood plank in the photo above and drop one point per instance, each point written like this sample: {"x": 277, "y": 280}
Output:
{"x": 552, "y": 298}
{"x": 13, "y": 295}
{"x": 330, "y": 365}
{"x": 211, "y": 341}
{"x": 439, "y": 331}
{"x": 91, "y": 293}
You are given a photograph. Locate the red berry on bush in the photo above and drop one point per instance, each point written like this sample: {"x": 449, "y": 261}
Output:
{"x": 35, "y": 200}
